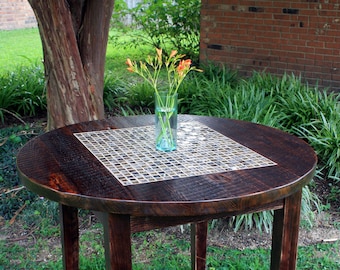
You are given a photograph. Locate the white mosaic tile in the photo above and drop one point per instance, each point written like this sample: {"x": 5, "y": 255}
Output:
{"x": 130, "y": 154}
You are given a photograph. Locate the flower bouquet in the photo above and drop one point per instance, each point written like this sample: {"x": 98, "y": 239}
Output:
{"x": 165, "y": 97}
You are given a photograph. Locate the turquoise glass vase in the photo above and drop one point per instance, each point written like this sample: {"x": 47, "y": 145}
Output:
{"x": 166, "y": 121}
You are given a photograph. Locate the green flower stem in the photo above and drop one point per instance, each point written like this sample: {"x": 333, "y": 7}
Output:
{"x": 164, "y": 115}
{"x": 176, "y": 69}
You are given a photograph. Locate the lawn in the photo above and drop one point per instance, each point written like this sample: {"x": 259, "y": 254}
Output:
{"x": 19, "y": 47}
{"x": 23, "y": 47}
{"x": 29, "y": 234}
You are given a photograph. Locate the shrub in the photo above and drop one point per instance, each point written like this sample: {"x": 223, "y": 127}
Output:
{"x": 169, "y": 24}
{"x": 115, "y": 92}
{"x": 285, "y": 103}
{"x": 22, "y": 91}
{"x": 310, "y": 113}
{"x": 127, "y": 98}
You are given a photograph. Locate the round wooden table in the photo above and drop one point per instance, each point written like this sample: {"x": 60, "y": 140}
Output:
{"x": 59, "y": 166}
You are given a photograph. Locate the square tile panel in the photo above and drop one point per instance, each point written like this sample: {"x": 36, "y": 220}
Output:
{"x": 130, "y": 154}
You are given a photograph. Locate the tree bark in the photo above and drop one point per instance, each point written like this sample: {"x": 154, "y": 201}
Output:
{"x": 74, "y": 36}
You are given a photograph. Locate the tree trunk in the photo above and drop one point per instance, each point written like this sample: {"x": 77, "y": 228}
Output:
{"x": 74, "y": 36}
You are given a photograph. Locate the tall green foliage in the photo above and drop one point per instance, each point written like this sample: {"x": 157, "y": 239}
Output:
{"x": 168, "y": 24}
{"x": 22, "y": 91}
{"x": 282, "y": 102}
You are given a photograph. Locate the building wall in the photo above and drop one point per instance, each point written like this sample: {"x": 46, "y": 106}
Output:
{"x": 299, "y": 36}
{"x": 15, "y": 14}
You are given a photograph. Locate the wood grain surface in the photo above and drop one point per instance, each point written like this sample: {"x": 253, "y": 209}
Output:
{"x": 57, "y": 166}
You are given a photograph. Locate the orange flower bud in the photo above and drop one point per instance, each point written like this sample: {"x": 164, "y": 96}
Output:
{"x": 128, "y": 62}
{"x": 173, "y": 53}
{"x": 130, "y": 69}
{"x": 159, "y": 52}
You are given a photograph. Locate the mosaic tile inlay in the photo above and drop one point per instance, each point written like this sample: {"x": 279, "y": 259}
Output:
{"x": 130, "y": 155}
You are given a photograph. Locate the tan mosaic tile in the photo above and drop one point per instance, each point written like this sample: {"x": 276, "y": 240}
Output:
{"x": 130, "y": 154}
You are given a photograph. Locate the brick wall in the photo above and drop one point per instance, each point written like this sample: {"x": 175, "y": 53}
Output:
{"x": 15, "y": 14}
{"x": 299, "y": 36}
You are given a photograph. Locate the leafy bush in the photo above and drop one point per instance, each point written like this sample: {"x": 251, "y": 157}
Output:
{"x": 120, "y": 17}
{"x": 309, "y": 113}
{"x": 169, "y": 24}
{"x": 282, "y": 102}
{"x": 22, "y": 91}
{"x": 115, "y": 92}
{"x": 323, "y": 136}
{"x": 127, "y": 98}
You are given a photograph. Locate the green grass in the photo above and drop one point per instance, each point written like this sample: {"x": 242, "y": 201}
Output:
{"x": 19, "y": 47}
{"x": 23, "y": 48}
{"x": 116, "y": 56}
{"x": 156, "y": 250}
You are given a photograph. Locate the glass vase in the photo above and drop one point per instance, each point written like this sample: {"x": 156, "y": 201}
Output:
{"x": 166, "y": 121}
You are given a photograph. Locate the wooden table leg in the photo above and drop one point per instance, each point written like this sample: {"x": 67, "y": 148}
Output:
{"x": 286, "y": 233}
{"x": 69, "y": 236}
{"x": 117, "y": 234}
{"x": 199, "y": 233}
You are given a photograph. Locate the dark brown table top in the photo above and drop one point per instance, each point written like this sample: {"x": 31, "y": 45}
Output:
{"x": 57, "y": 166}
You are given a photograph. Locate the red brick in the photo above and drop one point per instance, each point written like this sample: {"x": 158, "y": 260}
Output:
{"x": 306, "y": 43}
{"x": 16, "y": 14}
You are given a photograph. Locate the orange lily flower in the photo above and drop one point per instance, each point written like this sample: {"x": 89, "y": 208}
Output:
{"x": 183, "y": 65}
